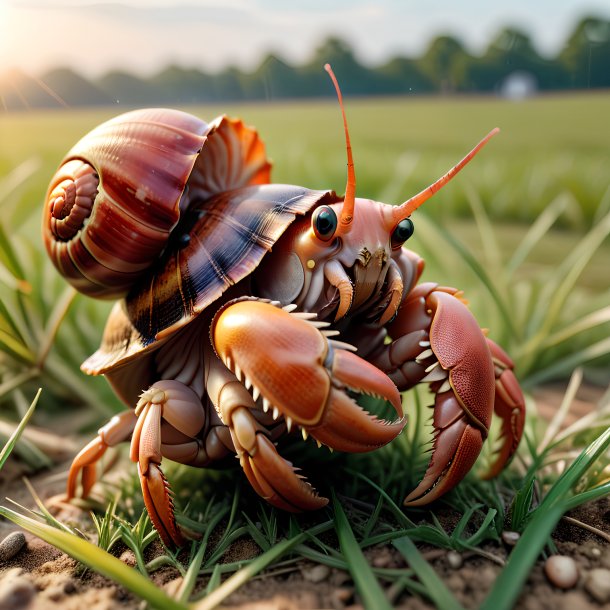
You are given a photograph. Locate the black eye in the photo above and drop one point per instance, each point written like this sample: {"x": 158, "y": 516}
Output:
{"x": 404, "y": 229}
{"x": 324, "y": 222}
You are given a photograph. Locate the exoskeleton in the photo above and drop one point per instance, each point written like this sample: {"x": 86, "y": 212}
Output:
{"x": 248, "y": 310}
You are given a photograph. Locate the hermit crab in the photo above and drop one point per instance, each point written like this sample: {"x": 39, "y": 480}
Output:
{"x": 248, "y": 311}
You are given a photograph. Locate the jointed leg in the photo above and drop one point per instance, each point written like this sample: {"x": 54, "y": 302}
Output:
{"x": 177, "y": 404}
{"x": 116, "y": 431}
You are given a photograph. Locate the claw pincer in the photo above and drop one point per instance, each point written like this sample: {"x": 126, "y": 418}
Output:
{"x": 453, "y": 356}
{"x": 299, "y": 372}
{"x": 295, "y": 371}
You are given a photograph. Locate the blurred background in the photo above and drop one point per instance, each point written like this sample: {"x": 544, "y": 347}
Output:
{"x": 524, "y": 229}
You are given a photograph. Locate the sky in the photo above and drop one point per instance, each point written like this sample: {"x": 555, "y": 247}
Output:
{"x": 144, "y": 36}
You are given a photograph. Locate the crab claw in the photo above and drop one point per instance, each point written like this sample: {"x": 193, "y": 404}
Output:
{"x": 303, "y": 375}
{"x": 457, "y": 363}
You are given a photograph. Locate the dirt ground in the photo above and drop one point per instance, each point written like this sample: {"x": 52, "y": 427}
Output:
{"x": 40, "y": 577}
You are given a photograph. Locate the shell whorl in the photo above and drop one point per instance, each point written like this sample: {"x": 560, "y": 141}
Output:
{"x": 71, "y": 201}
{"x": 120, "y": 192}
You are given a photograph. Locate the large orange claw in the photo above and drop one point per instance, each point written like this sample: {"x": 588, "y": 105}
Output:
{"x": 457, "y": 363}
{"x": 303, "y": 375}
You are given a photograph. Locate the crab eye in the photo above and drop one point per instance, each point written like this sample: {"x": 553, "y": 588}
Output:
{"x": 404, "y": 229}
{"x": 324, "y": 223}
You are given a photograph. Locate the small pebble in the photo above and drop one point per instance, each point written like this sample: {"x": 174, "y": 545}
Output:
{"x": 16, "y": 591}
{"x": 510, "y": 538}
{"x": 316, "y": 573}
{"x": 455, "y": 560}
{"x": 597, "y": 584}
{"x": 561, "y": 571}
{"x": 343, "y": 594}
{"x": 383, "y": 560}
{"x": 11, "y": 545}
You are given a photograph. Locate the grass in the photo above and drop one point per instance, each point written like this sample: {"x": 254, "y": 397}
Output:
{"x": 541, "y": 290}
{"x": 363, "y": 515}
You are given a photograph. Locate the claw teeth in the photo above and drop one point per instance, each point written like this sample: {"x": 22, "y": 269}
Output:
{"x": 330, "y": 333}
{"x": 229, "y": 363}
{"x": 319, "y": 323}
{"x": 438, "y": 374}
{"x": 305, "y": 315}
{"x": 304, "y": 433}
{"x": 255, "y": 393}
{"x": 289, "y": 308}
{"x": 288, "y": 424}
{"x": 247, "y": 383}
{"x": 343, "y": 345}
{"x": 276, "y": 412}
{"x": 318, "y": 443}
{"x": 266, "y": 405}
{"x": 445, "y": 387}
{"x": 425, "y": 354}
{"x": 432, "y": 366}
{"x": 424, "y": 344}
{"x": 238, "y": 372}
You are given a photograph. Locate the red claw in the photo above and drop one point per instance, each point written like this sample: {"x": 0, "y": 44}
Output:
{"x": 457, "y": 363}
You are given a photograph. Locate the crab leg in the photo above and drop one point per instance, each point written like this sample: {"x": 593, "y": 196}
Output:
{"x": 182, "y": 408}
{"x": 117, "y": 430}
{"x": 509, "y": 407}
{"x": 271, "y": 476}
{"x": 294, "y": 370}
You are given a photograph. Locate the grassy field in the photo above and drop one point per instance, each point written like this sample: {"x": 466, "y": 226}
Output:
{"x": 549, "y": 147}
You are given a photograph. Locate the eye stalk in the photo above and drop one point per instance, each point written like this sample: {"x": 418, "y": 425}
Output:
{"x": 324, "y": 223}
{"x": 403, "y": 231}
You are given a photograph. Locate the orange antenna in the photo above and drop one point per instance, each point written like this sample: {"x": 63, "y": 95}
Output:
{"x": 347, "y": 211}
{"x": 405, "y": 210}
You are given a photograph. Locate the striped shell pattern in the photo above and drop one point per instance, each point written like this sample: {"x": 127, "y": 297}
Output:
{"x": 167, "y": 211}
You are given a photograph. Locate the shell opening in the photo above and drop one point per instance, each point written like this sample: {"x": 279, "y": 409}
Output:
{"x": 71, "y": 201}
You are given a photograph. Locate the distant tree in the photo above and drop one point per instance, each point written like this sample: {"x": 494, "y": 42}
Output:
{"x": 176, "y": 85}
{"x": 443, "y": 63}
{"x": 355, "y": 78}
{"x": 278, "y": 80}
{"x": 401, "y": 75}
{"x": 125, "y": 88}
{"x": 73, "y": 89}
{"x": 586, "y": 54}
{"x": 511, "y": 52}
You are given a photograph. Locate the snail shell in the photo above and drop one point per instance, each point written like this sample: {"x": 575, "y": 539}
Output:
{"x": 113, "y": 203}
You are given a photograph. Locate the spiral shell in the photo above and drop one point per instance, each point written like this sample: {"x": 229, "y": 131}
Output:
{"x": 113, "y": 203}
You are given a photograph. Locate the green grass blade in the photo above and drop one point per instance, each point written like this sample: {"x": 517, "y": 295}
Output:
{"x": 485, "y": 278}
{"x": 255, "y": 566}
{"x": 190, "y": 579}
{"x": 596, "y": 318}
{"x": 544, "y": 518}
{"x": 95, "y": 558}
{"x": 367, "y": 585}
{"x": 434, "y": 586}
{"x": 12, "y": 441}
{"x": 536, "y": 232}
{"x": 563, "y": 366}
{"x": 511, "y": 579}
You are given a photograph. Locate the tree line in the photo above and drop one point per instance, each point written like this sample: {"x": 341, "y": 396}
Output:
{"x": 446, "y": 66}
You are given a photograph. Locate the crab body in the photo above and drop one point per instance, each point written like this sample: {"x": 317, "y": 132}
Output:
{"x": 248, "y": 311}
